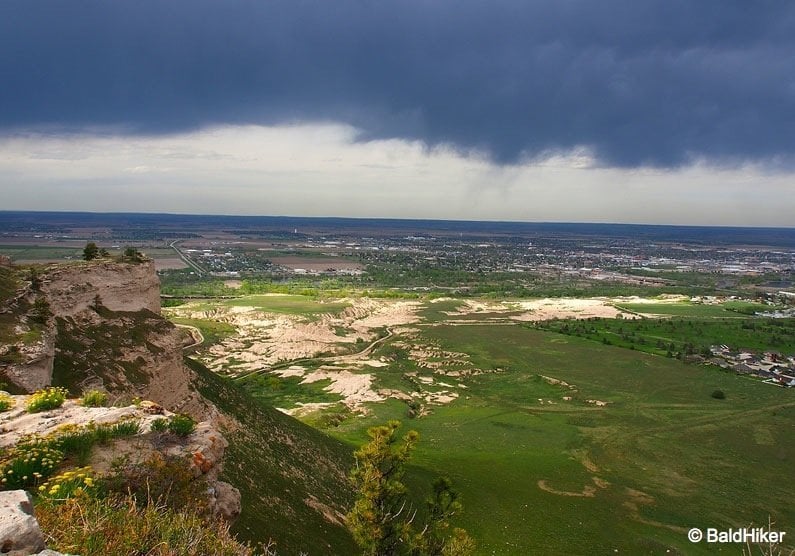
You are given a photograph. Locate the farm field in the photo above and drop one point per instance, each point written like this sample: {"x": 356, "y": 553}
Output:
{"x": 567, "y": 444}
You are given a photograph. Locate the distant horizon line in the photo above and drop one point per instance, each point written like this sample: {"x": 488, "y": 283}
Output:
{"x": 393, "y": 219}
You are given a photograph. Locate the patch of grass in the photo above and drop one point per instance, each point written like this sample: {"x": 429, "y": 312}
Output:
{"x": 181, "y": 425}
{"x": 94, "y": 398}
{"x": 286, "y": 392}
{"x": 214, "y": 332}
{"x": 78, "y": 442}
{"x": 680, "y": 309}
{"x": 159, "y": 425}
{"x": 679, "y": 335}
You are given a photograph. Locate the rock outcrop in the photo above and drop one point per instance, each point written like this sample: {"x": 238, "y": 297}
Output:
{"x": 34, "y": 369}
{"x": 76, "y": 288}
{"x": 19, "y": 531}
{"x": 203, "y": 449}
{"x": 97, "y": 325}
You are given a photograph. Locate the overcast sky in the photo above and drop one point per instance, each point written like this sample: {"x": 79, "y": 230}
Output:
{"x": 668, "y": 111}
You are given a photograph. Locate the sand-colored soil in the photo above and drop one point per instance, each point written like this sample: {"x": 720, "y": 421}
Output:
{"x": 567, "y": 308}
{"x": 264, "y": 339}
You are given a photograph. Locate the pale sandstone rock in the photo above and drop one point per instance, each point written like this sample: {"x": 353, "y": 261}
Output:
{"x": 73, "y": 289}
{"x": 225, "y": 501}
{"x": 19, "y": 531}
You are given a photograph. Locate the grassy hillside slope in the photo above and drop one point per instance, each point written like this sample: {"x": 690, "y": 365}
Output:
{"x": 292, "y": 478}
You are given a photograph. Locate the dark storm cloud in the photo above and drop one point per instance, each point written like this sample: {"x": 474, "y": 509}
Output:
{"x": 639, "y": 82}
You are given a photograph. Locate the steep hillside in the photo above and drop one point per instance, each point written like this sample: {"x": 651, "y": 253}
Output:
{"x": 292, "y": 478}
{"x": 97, "y": 325}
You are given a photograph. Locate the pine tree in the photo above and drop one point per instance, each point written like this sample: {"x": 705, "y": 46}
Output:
{"x": 382, "y": 520}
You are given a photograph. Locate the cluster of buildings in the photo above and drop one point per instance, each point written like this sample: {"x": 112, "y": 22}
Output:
{"x": 772, "y": 367}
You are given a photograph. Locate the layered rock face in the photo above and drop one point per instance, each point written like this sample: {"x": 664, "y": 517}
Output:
{"x": 97, "y": 325}
{"x": 73, "y": 289}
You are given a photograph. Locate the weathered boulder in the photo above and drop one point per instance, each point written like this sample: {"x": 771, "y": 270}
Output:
{"x": 34, "y": 371}
{"x": 19, "y": 531}
{"x": 225, "y": 501}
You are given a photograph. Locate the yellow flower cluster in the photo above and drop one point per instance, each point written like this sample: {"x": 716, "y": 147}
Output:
{"x": 27, "y": 463}
{"x": 69, "y": 484}
{"x": 6, "y": 401}
{"x": 49, "y": 398}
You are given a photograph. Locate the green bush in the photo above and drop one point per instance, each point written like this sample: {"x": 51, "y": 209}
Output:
{"x": 159, "y": 425}
{"x": 94, "y": 398}
{"x": 49, "y": 398}
{"x": 719, "y": 394}
{"x": 181, "y": 425}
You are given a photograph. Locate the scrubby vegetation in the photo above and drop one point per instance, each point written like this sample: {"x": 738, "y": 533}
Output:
{"x": 35, "y": 458}
{"x": 155, "y": 507}
{"x": 181, "y": 425}
{"x": 94, "y": 398}
{"x": 6, "y": 402}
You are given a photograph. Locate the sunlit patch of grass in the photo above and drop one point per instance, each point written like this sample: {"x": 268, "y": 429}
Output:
{"x": 94, "y": 398}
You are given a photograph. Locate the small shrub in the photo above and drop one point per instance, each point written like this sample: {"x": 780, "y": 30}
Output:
{"x": 78, "y": 482}
{"x": 181, "y": 425}
{"x": 167, "y": 480}
{"x": 159, "y": 425}
{"x": 49, "y": 398}
{"x": 27, "y": 463}
{"x": 94, "y": 398}
{"x": 6, "y": 402}
{"x": 719, "y": 394}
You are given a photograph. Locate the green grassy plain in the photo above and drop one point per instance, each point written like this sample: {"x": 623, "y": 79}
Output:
{"x": 36, "y": 253}
{"x": 543, "y": 475}
{"x": 665, "y": 454}
{"x": 695, "y": 310}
